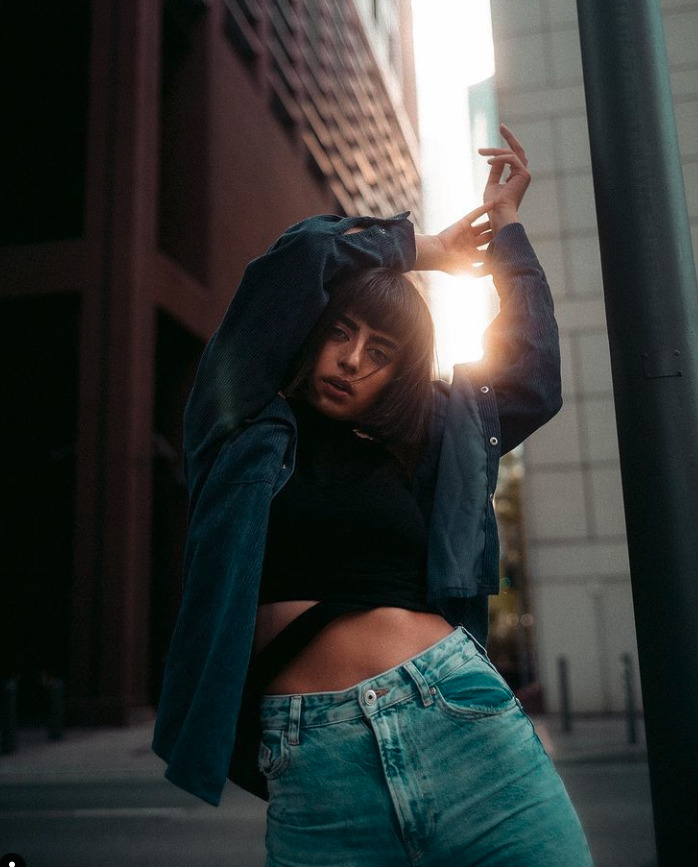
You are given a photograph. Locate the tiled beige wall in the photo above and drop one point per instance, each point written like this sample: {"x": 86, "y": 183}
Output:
{"x": 574, "y": 515}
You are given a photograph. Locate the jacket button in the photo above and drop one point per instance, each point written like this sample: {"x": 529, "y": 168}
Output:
{"x": 485, "y": 389}
{"x": 493, "y": 441}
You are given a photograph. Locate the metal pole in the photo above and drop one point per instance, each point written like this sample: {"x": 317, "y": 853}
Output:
{"x": 652, "y": 312}
{"x": 56, "y": 709}
{"x": 565, "y": 704}
{"x": 8, "y": 716}
{"x": 629, "y": 688}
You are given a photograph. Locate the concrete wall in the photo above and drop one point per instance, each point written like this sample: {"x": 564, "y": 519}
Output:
{"x": 573, "y": 504}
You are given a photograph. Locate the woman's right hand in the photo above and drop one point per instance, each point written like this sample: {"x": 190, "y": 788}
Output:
{"x": 458, "y": 249}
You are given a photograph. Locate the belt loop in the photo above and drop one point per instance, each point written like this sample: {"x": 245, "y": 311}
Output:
{"x": 478, "y": 647}
{"x": 294, "y": 720}
{"x": 420, "y": 681}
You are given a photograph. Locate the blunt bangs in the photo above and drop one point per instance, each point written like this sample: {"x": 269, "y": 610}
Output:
{"x": 386, "y": 300}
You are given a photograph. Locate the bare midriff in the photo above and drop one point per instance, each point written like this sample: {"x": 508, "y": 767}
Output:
{"x": 350, "y": 649}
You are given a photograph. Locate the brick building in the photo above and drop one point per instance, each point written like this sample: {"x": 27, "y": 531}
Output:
{"x": 151, "y": 150}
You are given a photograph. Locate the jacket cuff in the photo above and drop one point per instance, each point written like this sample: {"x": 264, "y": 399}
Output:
{"x": 391, "y": 239}
{"x": 509, "y": 251}
{"x": 401, "y": 244}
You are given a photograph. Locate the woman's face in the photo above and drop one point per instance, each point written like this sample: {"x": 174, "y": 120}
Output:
{"x": 352, "y": 369}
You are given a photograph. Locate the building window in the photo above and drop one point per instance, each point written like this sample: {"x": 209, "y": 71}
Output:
{"x": 183, "y": 213}
{"x": 44, "y": 64}
{"x": 242, "y": 25}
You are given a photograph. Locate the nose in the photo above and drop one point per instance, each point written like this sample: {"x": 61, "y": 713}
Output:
{"x": 350, "y": 358}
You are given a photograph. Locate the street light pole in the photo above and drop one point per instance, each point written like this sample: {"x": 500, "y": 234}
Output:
{"x": 652, "y": 312}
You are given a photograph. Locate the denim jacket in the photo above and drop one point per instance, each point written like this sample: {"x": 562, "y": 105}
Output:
{"x": 239, "y": 446}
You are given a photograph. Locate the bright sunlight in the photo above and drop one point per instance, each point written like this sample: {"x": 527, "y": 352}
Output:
{"x": 453, "y": 51}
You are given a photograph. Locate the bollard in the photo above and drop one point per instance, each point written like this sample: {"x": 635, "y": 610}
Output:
{"x": 8, "y": 716}
{"x": 56, "y": 708}
{"x": 565, "y": 705}
{"x": 630, "y": 715}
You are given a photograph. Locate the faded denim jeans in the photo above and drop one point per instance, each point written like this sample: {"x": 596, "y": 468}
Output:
{"x": 432, "y": 762}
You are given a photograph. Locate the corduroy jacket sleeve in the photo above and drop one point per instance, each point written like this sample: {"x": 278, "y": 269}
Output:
{"x": 280, "y": 297}
{"x": 491, "y": 406}
{"x": 236, "y": 436}
{"x": 521, "y": 345}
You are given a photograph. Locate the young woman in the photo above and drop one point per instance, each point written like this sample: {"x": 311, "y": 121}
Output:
{"x": 342, "y": 544}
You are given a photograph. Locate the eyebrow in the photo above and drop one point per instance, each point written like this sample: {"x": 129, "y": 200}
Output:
{"x": 376, "y": 338}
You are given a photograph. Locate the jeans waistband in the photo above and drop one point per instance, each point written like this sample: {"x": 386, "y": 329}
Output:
{"x": 413, "y": 677}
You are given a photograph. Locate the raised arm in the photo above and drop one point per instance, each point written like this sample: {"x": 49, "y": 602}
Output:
{"x": 521, "y": 345}
{"x": 461, "y": 247}
{"x": 279, "y": 299}
{"x": 522, "y": 355}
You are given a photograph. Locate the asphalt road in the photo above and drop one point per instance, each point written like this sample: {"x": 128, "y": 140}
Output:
{"x": 129, "y": 823}
{"x": 149, "y": 823}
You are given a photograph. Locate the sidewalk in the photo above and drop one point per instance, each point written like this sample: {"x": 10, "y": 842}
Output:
{"x": 592, "y": 739}
{"x": 82, "y": 752}
{"x": 119, "y": 752}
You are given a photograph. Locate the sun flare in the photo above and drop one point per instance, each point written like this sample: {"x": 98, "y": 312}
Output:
{"x": 453, "y": 51}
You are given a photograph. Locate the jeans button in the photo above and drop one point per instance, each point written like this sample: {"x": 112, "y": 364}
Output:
{"x": 370, "y": 696}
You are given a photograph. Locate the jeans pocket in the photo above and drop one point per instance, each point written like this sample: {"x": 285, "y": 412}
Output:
{"x": 474, "y": 690}
{"x": 274, "y": 754}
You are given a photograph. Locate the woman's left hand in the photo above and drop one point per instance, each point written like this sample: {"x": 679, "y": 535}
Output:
{"x": 460, "y": 249}
{"x": 506, "y": 196}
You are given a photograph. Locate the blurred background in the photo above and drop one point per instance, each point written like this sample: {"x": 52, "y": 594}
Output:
{"x": 149, "y": 151}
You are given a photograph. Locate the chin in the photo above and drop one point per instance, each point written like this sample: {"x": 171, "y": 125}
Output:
{"x": 326, "y": 407}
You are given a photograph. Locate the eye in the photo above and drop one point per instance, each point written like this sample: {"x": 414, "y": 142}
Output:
{"x": 379, "y": 356}
{"x": 337, "y": 333}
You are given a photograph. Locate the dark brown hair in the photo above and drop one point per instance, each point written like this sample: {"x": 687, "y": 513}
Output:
{"x": 387, "y": 301}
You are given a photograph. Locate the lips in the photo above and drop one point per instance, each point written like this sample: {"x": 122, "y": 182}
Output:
{"x": 338, "y": 385}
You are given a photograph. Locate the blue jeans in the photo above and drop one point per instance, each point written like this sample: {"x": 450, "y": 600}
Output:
{"x": 432, "y": 762}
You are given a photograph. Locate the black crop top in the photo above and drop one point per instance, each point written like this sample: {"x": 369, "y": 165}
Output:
{"x": 346, "y": 524}
{"x": 345, "y": 530}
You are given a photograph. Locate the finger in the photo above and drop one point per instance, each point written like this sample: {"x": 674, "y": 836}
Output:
{"x": 513, "y": 143}
{"x": 494, "y": 151}
{"x": 479, "y": 228}
{"x": 510, "y": 138}
{"x": 506, "y": 156}
{"x": 496, "y": 171}
{"x": 516, "y": 164}
{"x": 478, "y": 212}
